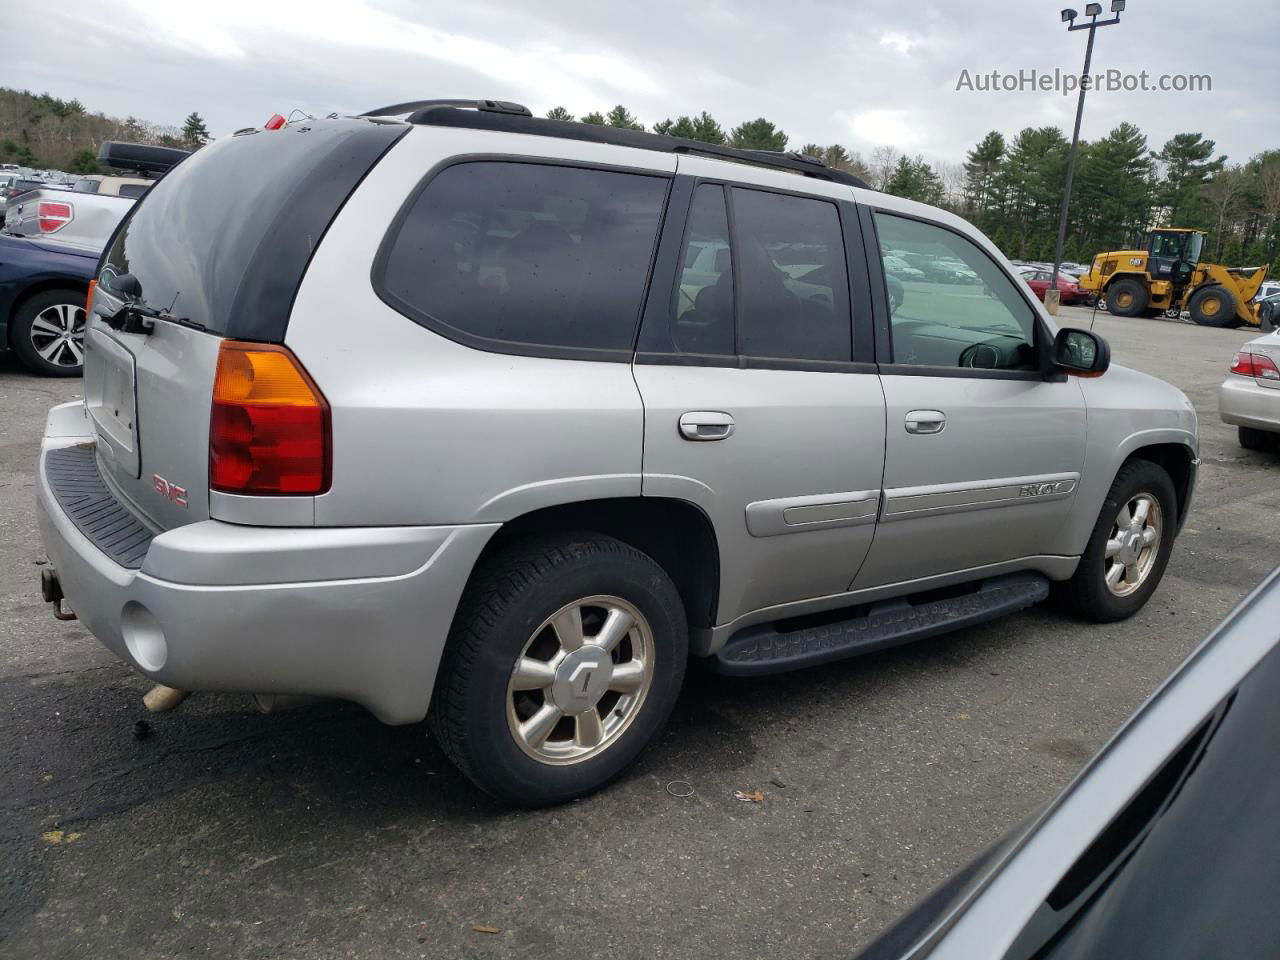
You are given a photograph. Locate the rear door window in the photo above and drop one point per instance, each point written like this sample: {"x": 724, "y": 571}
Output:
{"x": 793, "y": 285}
{"x": 526, "y": 258}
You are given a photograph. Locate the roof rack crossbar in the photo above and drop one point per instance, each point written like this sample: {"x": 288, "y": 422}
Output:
{"x": 442, "y": 113}
{"x": 422, "y": 106}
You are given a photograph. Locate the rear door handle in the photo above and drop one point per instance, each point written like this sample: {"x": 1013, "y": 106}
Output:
{"x": 706, "y": 425}
{"x": 926, "y": 421}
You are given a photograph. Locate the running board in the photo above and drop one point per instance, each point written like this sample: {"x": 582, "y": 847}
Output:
{"x": 766, "y": 649}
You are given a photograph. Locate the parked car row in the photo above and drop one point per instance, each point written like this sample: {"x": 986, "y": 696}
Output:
{"x": 52, "y": 239}
{"x": 649, "y": 399}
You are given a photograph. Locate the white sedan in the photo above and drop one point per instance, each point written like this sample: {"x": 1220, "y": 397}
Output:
{"x": 1250, "y": 396}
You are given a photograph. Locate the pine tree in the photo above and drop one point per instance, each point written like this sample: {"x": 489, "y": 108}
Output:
{"x": 758, "y": 134}
{"x": 194, "y": 132}
{"x": 1188, "y": 164}
{"x": 559, "y": 113}
{"x": 981, "y": 165}
{"x": 623, "y": 118}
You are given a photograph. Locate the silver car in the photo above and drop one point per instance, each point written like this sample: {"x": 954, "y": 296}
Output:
{"x": 1249, "y": 398}
{"x": 1164, "y": 846}
{"x": 499, "y": 420}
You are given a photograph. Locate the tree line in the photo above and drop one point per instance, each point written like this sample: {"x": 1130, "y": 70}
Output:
{"x": 1012, "y": 187}
{"x": 45, "y": 132}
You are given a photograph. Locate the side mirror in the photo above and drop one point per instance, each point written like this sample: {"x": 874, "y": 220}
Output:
{"x": 1081, "y": 352}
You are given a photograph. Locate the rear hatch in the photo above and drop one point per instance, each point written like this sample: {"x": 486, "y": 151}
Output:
{"x": 217, "y": 248}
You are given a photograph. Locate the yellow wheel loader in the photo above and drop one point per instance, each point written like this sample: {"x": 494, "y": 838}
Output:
{"x": 1168, "y": 276}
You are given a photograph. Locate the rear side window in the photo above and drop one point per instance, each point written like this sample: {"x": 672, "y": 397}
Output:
{"x": 133, "y": 190}
{"x": 702, "y": 307}
{"x": 526, "y": 258}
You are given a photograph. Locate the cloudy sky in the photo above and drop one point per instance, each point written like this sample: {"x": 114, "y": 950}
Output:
{"x": 864, "y": 73}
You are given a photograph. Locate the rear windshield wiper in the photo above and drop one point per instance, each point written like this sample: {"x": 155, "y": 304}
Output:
{"x": 136, "y": 315}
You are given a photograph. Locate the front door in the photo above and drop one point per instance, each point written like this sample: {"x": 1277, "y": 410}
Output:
{"x": 754, "y": 408}
{"x": 983, "y": 450}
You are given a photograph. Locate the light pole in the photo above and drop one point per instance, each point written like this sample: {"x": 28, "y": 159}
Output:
{"x": 1092, "y": 11}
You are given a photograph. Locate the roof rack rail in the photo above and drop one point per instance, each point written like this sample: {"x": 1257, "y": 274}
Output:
{"x": 421, "y": 107}
{"x": 445, "y": 113}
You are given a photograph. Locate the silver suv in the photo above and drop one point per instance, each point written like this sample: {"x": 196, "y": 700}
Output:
{"x": 500, "y": 420}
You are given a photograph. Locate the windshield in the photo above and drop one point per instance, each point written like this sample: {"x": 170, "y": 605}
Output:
{"x": 1194, "y": 248}
{"x": 223, "y": 239}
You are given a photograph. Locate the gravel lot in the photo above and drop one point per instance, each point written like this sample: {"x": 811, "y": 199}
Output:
{"x": 320, "y": 833}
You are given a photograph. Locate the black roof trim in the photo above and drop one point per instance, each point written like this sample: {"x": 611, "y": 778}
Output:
{"x": 447, "y": 113}
{"x": 420, "y": 107}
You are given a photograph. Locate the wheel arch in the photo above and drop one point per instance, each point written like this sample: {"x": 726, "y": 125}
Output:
{"x": 677, "y": 534}
{"x": 1176, "y": 459}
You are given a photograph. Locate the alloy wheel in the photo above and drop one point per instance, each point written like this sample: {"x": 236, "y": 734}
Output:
{"x": 580, "y": 680}
{"x": 57, "y": 334}
{"x": 1133, "y": 545}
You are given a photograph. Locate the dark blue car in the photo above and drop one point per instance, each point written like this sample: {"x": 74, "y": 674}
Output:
{"x": 43, "y": 287}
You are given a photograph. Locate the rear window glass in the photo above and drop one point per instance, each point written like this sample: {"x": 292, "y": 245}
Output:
{"x": 526, "y": 257}
{"x": 86, "y": 186}
{"x": 224, "y": 238}
{"x": 133, "y": 189}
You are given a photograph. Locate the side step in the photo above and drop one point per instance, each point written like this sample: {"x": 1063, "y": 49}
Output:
{"x": 766, "y": 649}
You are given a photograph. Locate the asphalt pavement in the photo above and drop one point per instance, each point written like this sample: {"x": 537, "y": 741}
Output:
{"x": 215, "y": 831}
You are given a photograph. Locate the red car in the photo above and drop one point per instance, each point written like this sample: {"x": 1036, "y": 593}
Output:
{"x": 1038, "y": 281}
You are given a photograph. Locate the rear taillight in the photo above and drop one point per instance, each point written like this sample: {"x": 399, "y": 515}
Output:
{"x": 53, "y": 215}
{"x": 275, "y": 123}
{"x": 269, "y": 427}
{"x": 1255, "y": 365}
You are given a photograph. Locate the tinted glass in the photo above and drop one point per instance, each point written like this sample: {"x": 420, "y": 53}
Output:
{"x": 225, "y": 236}
{"x": 793, "y": 295}
{"x": 1191, "y": 869}
{"x": 133, "y": 189}
{"x": 702, "y": 302}
{"x": 86, "y": 186}
{"x": 973, "y": 317}
{"x": 513, "y": 255}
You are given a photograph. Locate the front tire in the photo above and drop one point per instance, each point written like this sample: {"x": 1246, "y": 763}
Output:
{"x": 1214, "y": 306}
{"x": 565, "y": 659}
{"x": 1129, "y": 548}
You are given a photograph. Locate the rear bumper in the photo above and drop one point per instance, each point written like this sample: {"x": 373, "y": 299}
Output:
{"x": 358, "y": 614}
{"x": 1244, "y": 402}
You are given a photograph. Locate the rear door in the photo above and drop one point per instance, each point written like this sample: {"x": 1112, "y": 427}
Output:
{"x": 984, "y": 447}
{"x": 217, "y": 261}
{"x": 761, "y": 405}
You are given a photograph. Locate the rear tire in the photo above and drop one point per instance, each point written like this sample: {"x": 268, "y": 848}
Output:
{"x": 1127, "y": 298}
{"x": 1214, "y": 306}
{"x": 1252, "y": 439}
{"x": 1089, "y": 593}
{"x": 48, "y": 332}
{"x": 508, "y": 665}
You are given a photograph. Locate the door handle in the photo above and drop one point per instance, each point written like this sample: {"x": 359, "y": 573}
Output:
{"x": 706, "y": 425}
{"x": 926, "y": 421}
